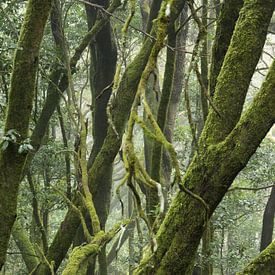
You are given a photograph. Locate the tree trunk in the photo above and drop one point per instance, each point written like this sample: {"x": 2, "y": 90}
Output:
{"x": 225, "y": 26}
{"x": 177, "y": 88}
{"x": 268, "y": 221}
{"x": 25, "y": 246}
{"x": 226, "y": 144}
{"x": 152, "y": 199}
{"x": 18, "y": 115}
{"x": 204, "y": 61}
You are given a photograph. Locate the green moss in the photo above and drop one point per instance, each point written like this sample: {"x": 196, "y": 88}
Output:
{"x": 264, "y": 264}
{"x": 78, "y": 260}
{"x": 19, "y": 111}
{"x": 26, "y": 248}
{"x": 152, "y": 197}
{"x": 238, "y": 67}
{"x": 225, "y": 27}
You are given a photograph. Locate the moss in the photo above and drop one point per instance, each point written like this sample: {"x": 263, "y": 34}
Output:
{"x": 239, "y": 65}
{"x": 263, "y": 264}
{"x": 19, "y": 111}
{"x": 210, "y": 174}
{"x": 25, "y": 246}
{"x": 152, "y": 197}
{"x": 225, "y": 27}
{"x": 78, "y": 259}
{"x": 77, "y": 263}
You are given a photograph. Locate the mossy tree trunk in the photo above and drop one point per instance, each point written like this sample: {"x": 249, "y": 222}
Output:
{"x": 25, "y": 246}
{"x": 226, "y": 144}
{"x": 228, "y": 15}
{"x": 18, "y": 114}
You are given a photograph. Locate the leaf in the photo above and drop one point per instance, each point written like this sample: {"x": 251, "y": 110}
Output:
{"x": 21, "y": 149}
{"x": 25, "y": 147}
{"x": 4, "y": 145}
{"x": 29, "y": 147}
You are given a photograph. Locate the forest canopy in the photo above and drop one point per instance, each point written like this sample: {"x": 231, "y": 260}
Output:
{"x": 137, "y": 137}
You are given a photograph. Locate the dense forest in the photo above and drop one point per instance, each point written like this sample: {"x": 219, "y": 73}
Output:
{"x": 137, "y": 137}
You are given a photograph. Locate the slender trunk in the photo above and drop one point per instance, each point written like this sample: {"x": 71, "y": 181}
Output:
{"x": 25, "y": 246}
{"x": 204, "y": 61}
{"x": 131, "y": 235}
{"x": 268, "y": 221}
{"x": 177, "y": 88}
{"x": 217, "y": 4}
{"x": 221, "y": 252}
{"x": 207, "y": 238}
{"x": 67, "y": 155}
{"x": 102, "y": 70}
{"x": 115, "y": 248}
{"x": 36, "y": 215}
{"x": 152, "y": 199}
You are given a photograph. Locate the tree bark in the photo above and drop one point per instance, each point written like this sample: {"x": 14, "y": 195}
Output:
{"x": 25, "y": 246}
{"x": 225, "y": 146}
{"x": 19, "y": 111}
{"x": 268, "y": 221}
{"x": 225, "y": 26}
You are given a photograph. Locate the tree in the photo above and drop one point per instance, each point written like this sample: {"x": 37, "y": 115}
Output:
{"x": 226, "y": 144}
{"x": 21, "y": 94}
{"x": 229, "y": 138}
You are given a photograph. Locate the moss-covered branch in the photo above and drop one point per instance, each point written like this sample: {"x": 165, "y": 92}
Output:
{"x": 78, "y": 260}
{"x": 225, "y": 26}
{"x": 26, "y": 248}
{"x": 238, "y": 67}
{"x": 264, "y": 264}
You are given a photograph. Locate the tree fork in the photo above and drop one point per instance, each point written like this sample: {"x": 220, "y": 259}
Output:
{"x": 215, "y": 166}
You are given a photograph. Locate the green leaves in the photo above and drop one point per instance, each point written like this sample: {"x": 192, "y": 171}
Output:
{"x": 12, "y": 137}
{"x": 25, "y": 147}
